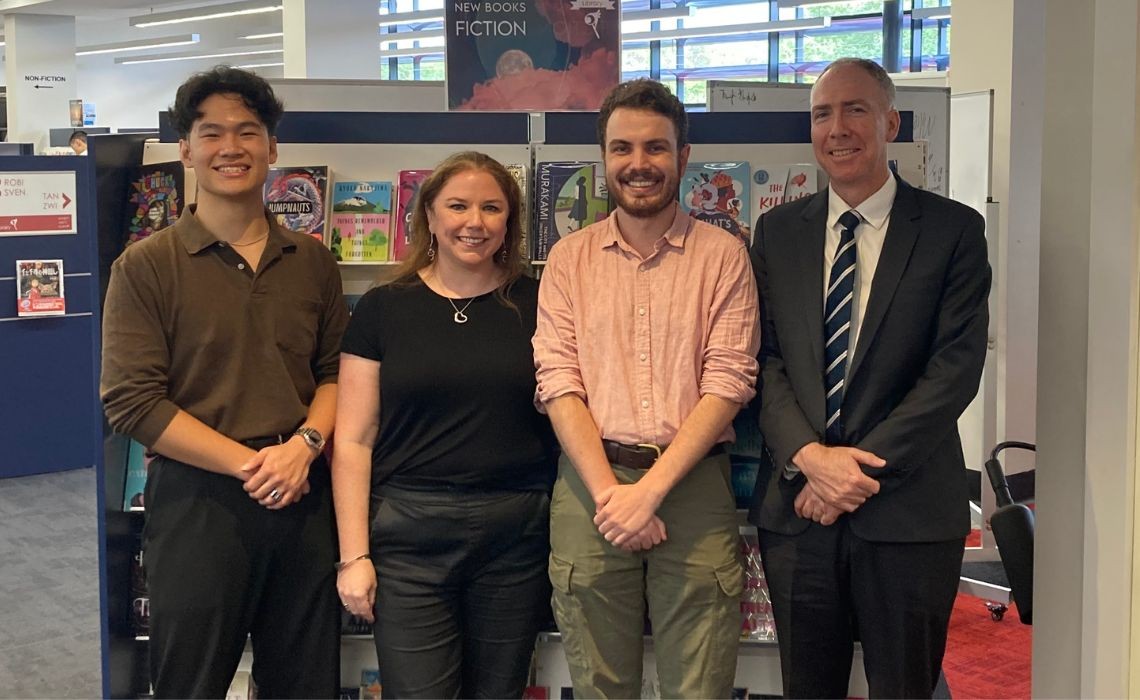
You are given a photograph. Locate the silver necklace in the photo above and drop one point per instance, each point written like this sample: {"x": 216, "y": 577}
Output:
{"x": 459, "y": 316}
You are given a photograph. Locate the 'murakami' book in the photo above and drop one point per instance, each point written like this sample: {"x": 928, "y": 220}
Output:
{"x": 569, "y": 195}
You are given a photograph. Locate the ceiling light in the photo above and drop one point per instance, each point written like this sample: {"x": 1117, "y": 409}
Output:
{"x": 930, "y": 13}
{"x": 193, "y": 57}
{"x": 261, "y": 65}
{"x": 210, "y": 12}
{"x": 698, "y": 32}
{"x": 270, "y": 35}
{"x": 138, "y": 45}
{"x": 406, "y": 17}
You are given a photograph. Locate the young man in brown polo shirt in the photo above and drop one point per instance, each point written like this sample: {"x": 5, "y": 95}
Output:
{"x": 221, "y": 337}
{"x": 646, "y": 346}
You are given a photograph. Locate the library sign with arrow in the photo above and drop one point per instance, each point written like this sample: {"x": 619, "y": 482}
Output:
{"x": 37, "y": 203}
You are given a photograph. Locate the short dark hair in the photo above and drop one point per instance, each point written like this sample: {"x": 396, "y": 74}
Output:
{"x": 877, "y": 72}
{"x": 77, "y": 135}
{"x": 643, "y": 93}
{"x": 253, "y": 90}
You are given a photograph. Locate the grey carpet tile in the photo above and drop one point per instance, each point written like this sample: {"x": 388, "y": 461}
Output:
{"x": 49, "y": 587}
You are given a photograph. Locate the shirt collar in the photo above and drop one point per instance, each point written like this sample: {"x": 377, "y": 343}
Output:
{"x": 874, "y": 210}
{"x": 675, "y": 235}
{"x": 195, "y": 237}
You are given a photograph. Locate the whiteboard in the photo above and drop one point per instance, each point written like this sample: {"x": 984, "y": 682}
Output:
{"x": 971, "y": 143}
{"x": 930, "y": 105}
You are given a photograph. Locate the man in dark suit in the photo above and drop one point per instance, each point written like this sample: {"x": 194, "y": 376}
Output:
{"x": 874, "y": 310}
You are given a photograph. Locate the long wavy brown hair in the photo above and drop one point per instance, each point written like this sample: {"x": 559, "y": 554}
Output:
{"x": 421, "y": 239}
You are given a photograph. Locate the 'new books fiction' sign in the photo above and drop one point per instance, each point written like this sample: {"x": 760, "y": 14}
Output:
{"x": 531, "y": 55}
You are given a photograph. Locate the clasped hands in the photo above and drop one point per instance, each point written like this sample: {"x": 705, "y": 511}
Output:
{"x": 278, "y": 475}
{"x": 836, "y": 483}
{"x": 626, "y": 515}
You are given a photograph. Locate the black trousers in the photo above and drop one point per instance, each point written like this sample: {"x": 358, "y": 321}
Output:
{"x": 220, "y": 567}
{"x": 462, "y": 591}
{"x": 830, "y": 587}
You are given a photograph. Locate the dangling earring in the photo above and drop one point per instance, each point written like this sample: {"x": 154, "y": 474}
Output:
{"x": 502, "y": 254}
{"x": 431, "y": 249}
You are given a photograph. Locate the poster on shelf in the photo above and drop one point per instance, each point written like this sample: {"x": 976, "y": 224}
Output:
{"x": 37, "y": 203}
{"x": 532, "y": 55}
{"x": 39, "y": 288}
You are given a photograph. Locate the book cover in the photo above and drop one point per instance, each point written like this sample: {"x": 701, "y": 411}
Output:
{"x": 361, "y": 220}
{"x": 39, "y": 288}
{"x": 532, "y": 55}
{"x": 140, "y": 597}
{"x": 155, "y": 198}
{"x": 772, "y": 185}
{"x": 241, "y": 687}
{"x": 569, "y": 195}
{"x": 297, "y": 196}
{"x": 370, "y": 687}
{"x": 135, "y": 483}
{"x": 718, "y": 194}
{"x": 536, "y": 692}
{"x": 518, "y": 172}
{"x": 407, "y": 187}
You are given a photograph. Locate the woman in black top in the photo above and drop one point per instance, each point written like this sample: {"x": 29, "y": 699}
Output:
{"x": 448, "y": 445}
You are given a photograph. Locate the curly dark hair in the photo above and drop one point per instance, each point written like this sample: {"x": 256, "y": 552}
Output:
{"x": 643, "y": 93}
{"x": 253, "y": 90}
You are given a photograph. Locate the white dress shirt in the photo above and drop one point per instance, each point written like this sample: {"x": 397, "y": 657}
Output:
{"x": 875, "y": 213}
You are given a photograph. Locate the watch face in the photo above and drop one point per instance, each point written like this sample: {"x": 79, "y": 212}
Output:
{"x": 312, "y": 437}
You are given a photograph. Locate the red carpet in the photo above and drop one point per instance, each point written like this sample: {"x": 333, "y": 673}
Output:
{"x": 986, "y": 659}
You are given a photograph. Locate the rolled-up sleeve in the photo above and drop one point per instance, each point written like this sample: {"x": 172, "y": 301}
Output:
{"x": 729, "y": 364}
{"x": 555, "y": 340}
{"x": 136, "y": 358}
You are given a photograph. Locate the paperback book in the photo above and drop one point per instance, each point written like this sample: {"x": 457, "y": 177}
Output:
{"x": 297, "y": 196}
{"x": 39, "y": 288}
{"x": 717, "y": 193}
{"x": 155, "y": 197}
{"x": 569, "y": 195}
{"x": 775, "y": 184}
{"x": 518, "y": 172}
{"x": 361, "y": 220}
{"x": 408, "y": 186}
{"x": 535, "y": 55}
{"x": 135, "y": 484}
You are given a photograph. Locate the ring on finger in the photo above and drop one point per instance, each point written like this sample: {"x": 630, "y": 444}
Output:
{"x": 275, "y": 495}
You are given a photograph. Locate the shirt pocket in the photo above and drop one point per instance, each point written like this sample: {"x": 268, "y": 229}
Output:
{"x": 296, "y": 322}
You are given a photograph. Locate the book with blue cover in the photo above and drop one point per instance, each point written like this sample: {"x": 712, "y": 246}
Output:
{"x": 135, "y": 484}
{"x": 718, "y": 194}
{"x": 569, "y": 196}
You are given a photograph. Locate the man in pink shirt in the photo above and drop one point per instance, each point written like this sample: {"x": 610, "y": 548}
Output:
{"x": 648, "y": 330}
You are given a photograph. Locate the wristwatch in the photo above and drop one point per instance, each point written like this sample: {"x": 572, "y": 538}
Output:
{"x": 312, "y": 437}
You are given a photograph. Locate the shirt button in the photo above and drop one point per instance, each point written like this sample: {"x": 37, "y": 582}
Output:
{"x": 643, "y": 357}
{"x": 644, "y": 403}
{"x": 241, "y": 266}
{"x": 641, "y": 311}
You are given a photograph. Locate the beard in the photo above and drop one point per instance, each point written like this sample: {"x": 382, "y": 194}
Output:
{"x": 645, "y": 207}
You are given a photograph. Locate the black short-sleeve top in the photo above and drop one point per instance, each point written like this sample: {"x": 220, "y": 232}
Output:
{"x": 456, "y": 400}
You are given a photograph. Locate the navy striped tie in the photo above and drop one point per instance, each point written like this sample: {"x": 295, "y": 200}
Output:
{"x": 837, "y": 324}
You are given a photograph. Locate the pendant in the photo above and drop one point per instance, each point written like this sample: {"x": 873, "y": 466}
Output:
{"x": 460, "y": 317}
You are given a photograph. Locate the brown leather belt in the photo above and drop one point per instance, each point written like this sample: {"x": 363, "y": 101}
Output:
{"x": 641, "y": 456}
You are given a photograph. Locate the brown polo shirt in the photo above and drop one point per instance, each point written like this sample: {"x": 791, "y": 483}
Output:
{"x": 187, "y": 325}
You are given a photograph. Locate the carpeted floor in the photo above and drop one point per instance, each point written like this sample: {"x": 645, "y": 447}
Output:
{"x": 986, "y": 659}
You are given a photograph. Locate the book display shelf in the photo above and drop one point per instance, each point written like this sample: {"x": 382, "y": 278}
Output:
{"x": 361, "y": 146}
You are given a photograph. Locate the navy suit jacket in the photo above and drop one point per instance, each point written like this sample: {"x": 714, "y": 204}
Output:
{"x": 916, "y": 367}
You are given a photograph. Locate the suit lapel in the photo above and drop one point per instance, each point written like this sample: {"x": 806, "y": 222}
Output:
{"x": 809, "y": 251}
{"x": 902, "y": 234}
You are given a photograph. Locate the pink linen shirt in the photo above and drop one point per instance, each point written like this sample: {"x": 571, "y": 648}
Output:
{"x": 642, "y": 340}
